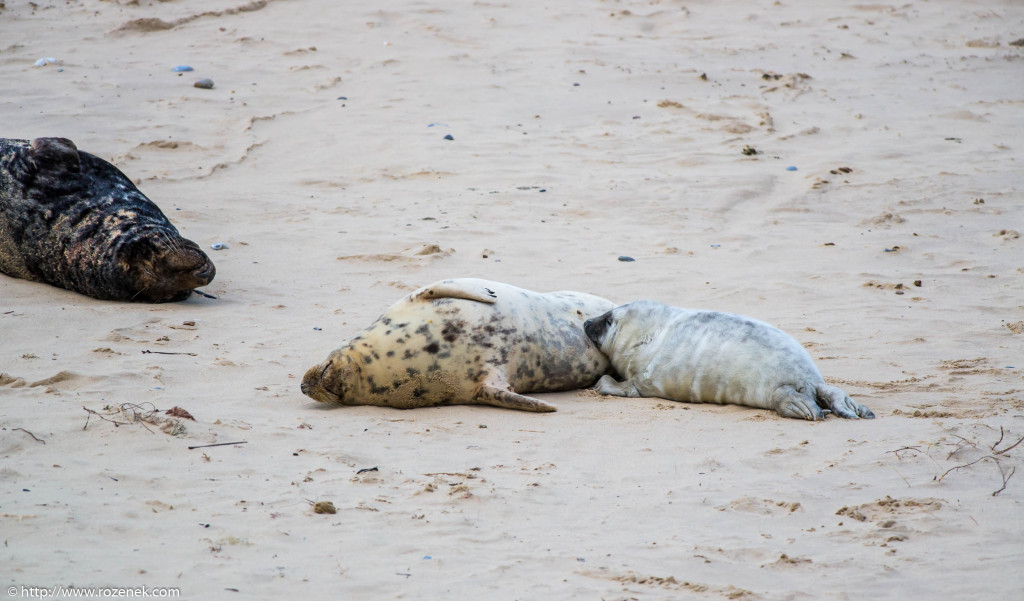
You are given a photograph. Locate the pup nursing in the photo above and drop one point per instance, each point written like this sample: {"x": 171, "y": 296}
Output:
{"x": 712, "y": 357}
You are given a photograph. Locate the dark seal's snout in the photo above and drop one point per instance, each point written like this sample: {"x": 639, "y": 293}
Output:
{"x": 205, "y": 274}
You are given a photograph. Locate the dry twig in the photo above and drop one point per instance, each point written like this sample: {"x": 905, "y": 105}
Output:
{"x": 34, "y": 437}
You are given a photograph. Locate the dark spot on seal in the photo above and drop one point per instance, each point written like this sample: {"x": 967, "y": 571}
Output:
{"x": 409, "y": 354}
{"x": 73, "y": 220}
{"x": 390, "y": 354}
{"x": 412, "y": 372}
{"x": 453, "y": 329}
{"x": 434, "y": 367}
{"x": 386, "y": 321}
{"x": 367, "y": 359}
{"x": 433, "y": 348}
{"x": 376, "y": 389}
{"x": 423, "y": 330}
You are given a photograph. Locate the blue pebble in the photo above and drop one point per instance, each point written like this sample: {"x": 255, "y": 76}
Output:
{"x": 182, "y": 69}
{"x": 626, "y": 259}
{"x": 716, "y": 246}
{"x": 791, "y": 168}
{"x": 449, "y": 137}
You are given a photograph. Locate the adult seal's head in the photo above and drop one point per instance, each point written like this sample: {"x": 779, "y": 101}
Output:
{"x": 75, "y": 221}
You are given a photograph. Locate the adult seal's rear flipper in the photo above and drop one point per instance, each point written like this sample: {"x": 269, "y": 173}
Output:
{"x": 467, "y": 288}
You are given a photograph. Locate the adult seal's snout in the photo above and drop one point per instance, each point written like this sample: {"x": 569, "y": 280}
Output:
{"x": 73, "y": 220}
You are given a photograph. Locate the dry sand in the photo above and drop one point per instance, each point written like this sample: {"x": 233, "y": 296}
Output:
{"x": 582, "y": 131}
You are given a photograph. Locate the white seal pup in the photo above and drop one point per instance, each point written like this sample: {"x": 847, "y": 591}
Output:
{"x": 465, "y": 342}
{"x": 712, "y": 357}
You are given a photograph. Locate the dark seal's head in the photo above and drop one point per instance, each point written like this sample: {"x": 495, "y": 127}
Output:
{"x": 335, "y": 381}
{"x": 163, "y": 268}
{"x": 73, "y": 220}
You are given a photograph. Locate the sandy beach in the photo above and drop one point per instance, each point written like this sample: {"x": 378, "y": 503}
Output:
{"x": 850, "y": 173}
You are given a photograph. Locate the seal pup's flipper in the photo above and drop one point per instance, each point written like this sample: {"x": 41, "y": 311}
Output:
{"x": 496, "y": 396}
{"x": 469, "y": 289}
{"x": 840, "y": 403}
{"x": 608, "y": 385}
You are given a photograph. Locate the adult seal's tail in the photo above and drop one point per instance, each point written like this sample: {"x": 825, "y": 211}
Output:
{"x": 75, "y": 221}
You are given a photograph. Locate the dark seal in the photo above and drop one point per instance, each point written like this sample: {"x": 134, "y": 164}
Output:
{"x": 73, "y": 220}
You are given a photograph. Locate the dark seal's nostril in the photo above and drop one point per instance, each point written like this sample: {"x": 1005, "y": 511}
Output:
{"x": 206, "y": 273}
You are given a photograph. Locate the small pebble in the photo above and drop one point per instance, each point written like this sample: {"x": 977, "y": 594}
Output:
{"x": 626, "y": 259}
{"x": 449, "y": 137}
{"x": 206, "y": 84}
{"x": 324, "y": 507}
{"x": 45, "y": 61}
{"x": 218, "y": 246}
{"x": 182, "y": 69}
{"x": 716, "y": 246}
{"x": 791, "y": 168}
{"x": 342, "y": 97}
{"x": 318, "y": 329}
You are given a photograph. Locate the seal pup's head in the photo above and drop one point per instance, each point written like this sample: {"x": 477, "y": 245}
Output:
{"x": 333, "y": 381}
{"x": 603, "y": 329}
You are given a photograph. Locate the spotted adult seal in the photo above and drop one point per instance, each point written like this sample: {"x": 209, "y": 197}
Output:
{"x": 73, "y": 220}
{"x": 712, "y": 357}
{"x": 465, "y": 342}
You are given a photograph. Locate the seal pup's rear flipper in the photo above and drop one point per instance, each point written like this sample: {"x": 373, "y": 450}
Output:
{"x": 788, "y": 401}
{"x": 840, "y": 403}
{"x": 495, "y": 396}
{"x": 468, "y": 288}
